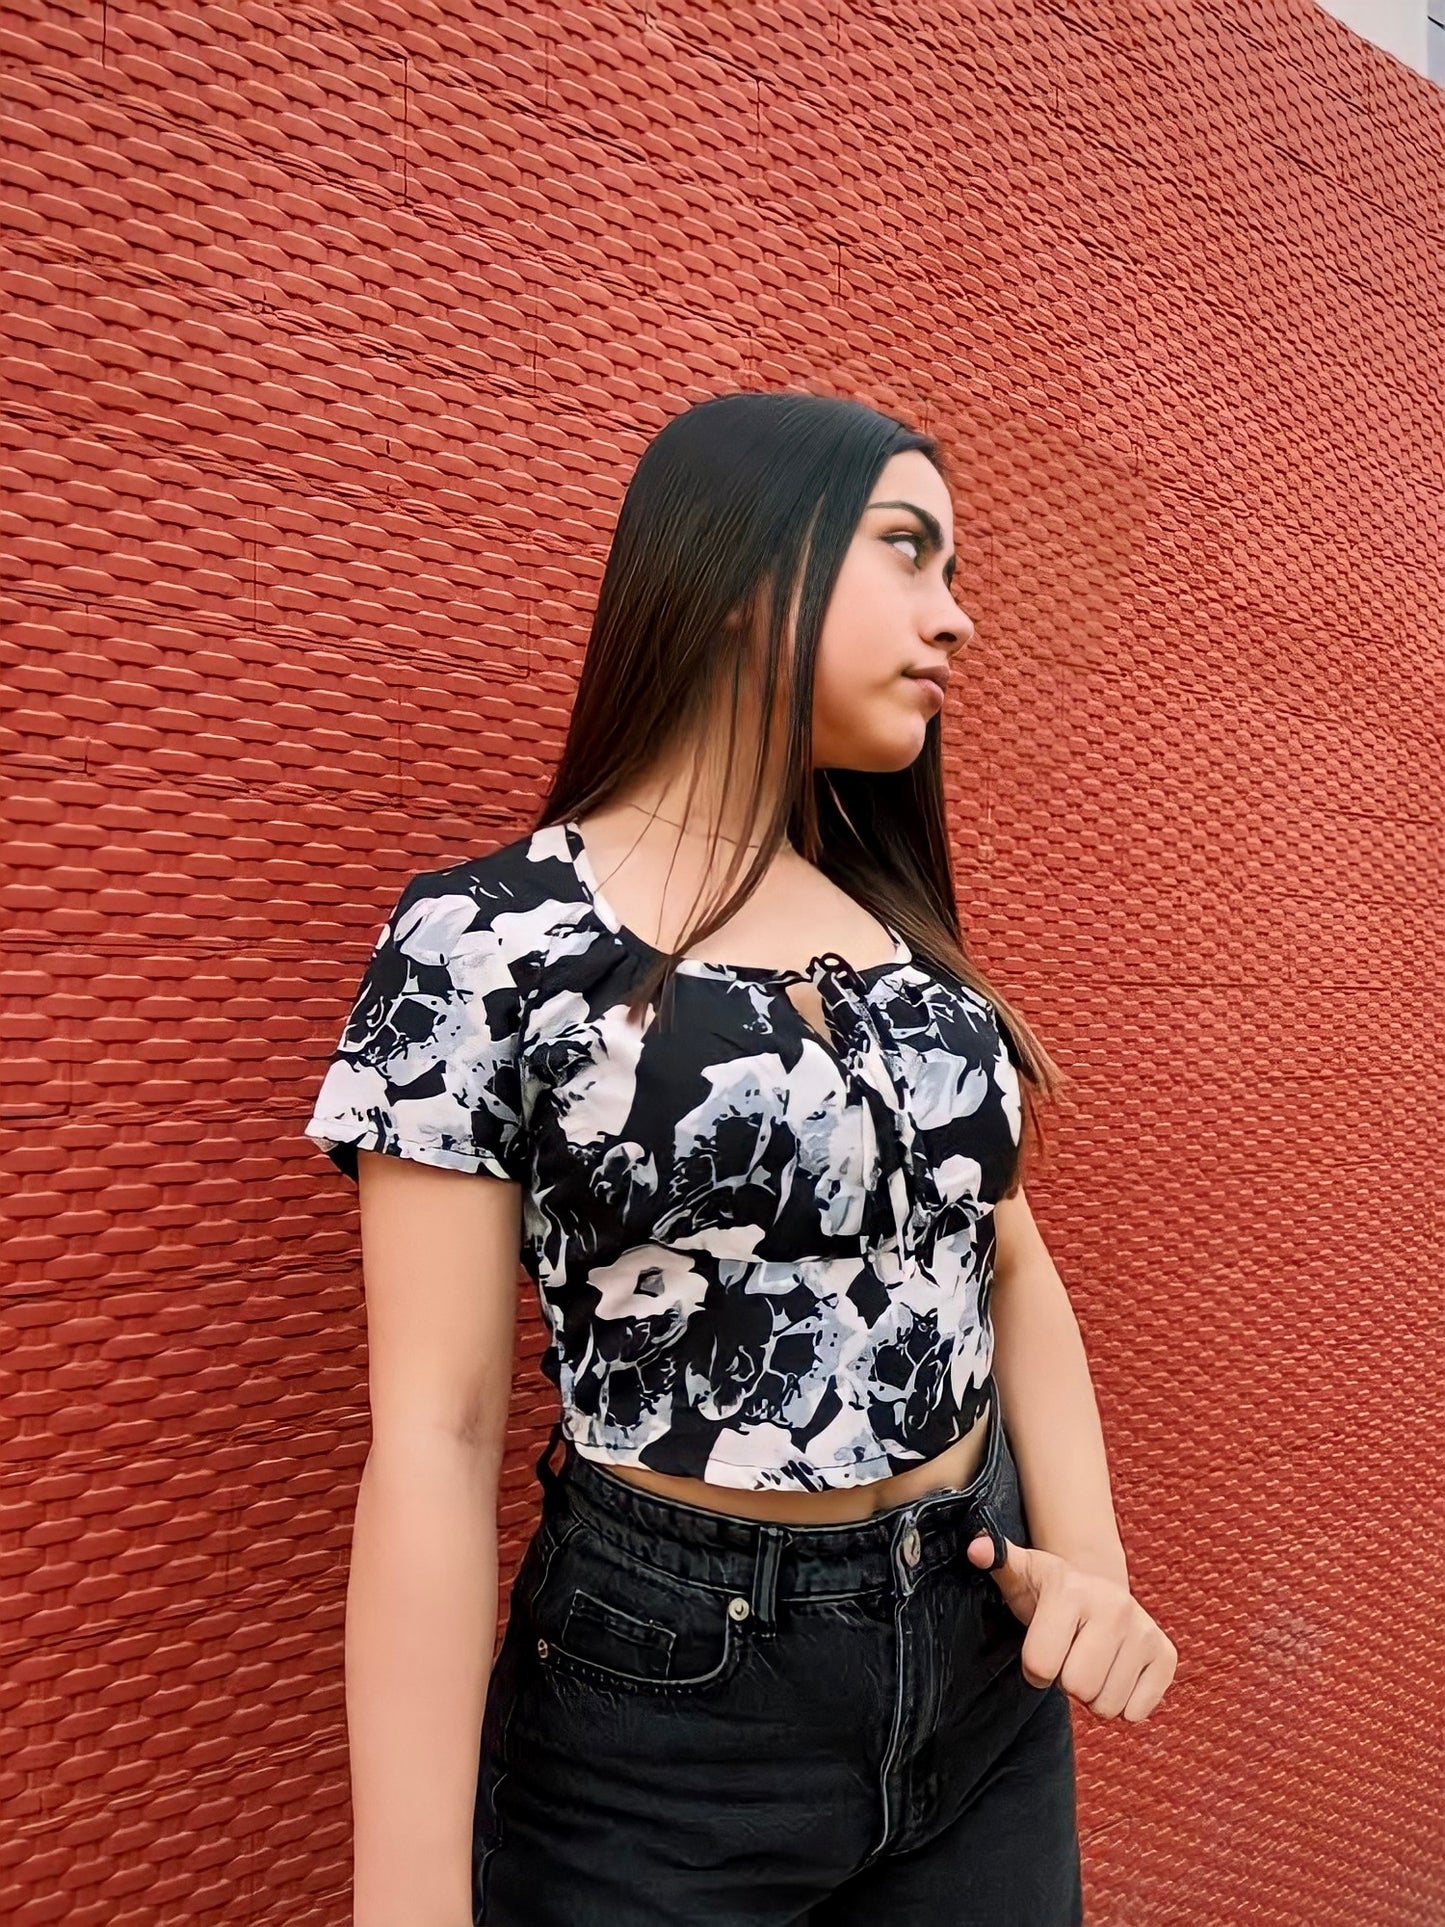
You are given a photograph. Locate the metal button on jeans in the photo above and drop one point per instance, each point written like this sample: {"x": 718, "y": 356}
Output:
{"x": 738, "y": 1608}
{"x": 912, "y": 1546}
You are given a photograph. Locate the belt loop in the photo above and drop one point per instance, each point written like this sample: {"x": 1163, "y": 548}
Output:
{"x": 765, "y": 1577}
{"x": 549, "y": 1480}
{"x": 986, "y": 1521}
{"x": 984, "y": 1517}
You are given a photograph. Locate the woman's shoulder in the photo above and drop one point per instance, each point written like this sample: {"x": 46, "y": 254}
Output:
{"x": 526, "y": 873}
{"x": 508, "y": 905}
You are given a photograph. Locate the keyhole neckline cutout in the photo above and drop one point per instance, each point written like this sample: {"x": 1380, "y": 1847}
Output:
{"x": 826, "y": 963}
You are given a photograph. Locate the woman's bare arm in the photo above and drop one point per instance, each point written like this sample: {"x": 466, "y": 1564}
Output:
{"x": 1048, "y": 1400}
{"x": 440, "y": 1252}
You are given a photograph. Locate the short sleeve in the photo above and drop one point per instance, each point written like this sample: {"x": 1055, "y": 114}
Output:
{"x": 428, "y": 1063}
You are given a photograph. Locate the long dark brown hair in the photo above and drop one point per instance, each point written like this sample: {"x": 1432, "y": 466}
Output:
{"x": 744, "y": 506}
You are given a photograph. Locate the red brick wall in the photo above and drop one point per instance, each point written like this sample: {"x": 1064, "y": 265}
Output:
{"x": 331, "y": 338}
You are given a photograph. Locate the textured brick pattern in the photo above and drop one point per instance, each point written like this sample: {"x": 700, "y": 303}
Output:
{"x": 331, "y": 337}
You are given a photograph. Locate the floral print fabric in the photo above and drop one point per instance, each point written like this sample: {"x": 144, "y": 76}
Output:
{"x": 763, "y": 1255}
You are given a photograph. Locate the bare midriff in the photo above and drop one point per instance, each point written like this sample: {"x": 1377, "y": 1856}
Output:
{"x": 952, "y": 1468}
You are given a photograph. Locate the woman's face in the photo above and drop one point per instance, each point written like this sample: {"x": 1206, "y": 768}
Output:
{"x": 891, "y": 618}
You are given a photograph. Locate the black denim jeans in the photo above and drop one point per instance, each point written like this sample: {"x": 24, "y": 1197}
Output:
{"x": 699, "y": 1719}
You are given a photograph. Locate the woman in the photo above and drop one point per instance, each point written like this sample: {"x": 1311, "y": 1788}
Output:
{"x": 831, "y": 1544}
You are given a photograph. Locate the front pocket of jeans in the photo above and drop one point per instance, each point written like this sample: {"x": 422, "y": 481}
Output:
{"x": 999, "y": 1632}
{"x": 601, "y": 1615}
{"x": 617, "y": 1639}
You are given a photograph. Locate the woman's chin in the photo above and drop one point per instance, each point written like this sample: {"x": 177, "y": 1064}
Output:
{"x": 877, "y": 756}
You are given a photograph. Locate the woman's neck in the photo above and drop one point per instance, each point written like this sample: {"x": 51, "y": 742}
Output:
{"x": 694, "y": 804}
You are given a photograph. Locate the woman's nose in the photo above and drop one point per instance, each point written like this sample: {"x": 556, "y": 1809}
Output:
{"x": 953, "y": 626}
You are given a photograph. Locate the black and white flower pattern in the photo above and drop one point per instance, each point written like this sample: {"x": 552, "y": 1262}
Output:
{"x": 764, "y": 1256}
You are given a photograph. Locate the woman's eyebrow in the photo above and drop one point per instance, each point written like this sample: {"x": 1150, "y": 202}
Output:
{"x": 930, "y": 523}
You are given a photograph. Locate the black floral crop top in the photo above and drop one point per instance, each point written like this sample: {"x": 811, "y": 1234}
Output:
{"x": 764, "y": 1256}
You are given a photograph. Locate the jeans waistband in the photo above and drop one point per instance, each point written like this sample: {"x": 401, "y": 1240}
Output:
{"x": 765, "y": 1561}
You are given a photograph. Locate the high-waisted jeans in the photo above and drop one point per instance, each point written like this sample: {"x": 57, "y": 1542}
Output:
{"x": 697, "y": 1720}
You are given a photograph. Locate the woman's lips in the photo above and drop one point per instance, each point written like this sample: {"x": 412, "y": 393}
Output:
{"x": 932, "y": 685}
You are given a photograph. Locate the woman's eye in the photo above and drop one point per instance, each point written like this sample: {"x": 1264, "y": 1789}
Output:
{"x": 908, "y": 535}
